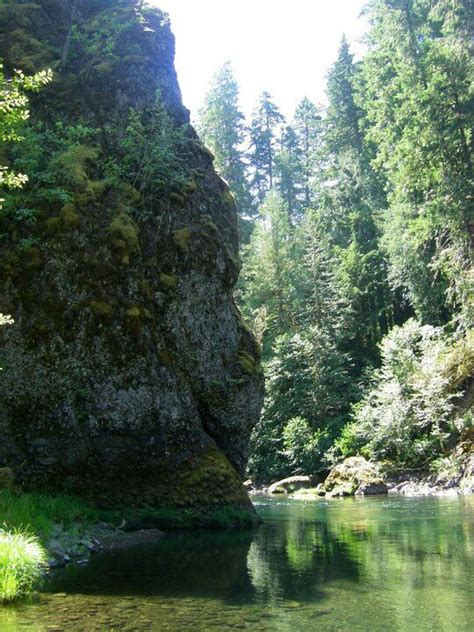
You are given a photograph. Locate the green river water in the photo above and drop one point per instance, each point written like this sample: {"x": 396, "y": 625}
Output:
{"x": 376, "y": 564}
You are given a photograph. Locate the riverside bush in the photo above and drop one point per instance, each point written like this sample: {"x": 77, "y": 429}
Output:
{"x": 411, "y": 412}
{"x": 21, "y": 563}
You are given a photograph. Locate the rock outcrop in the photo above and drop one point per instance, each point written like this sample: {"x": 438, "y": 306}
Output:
{"x": 129, "y": 377}
{"x": 357, "y": 476}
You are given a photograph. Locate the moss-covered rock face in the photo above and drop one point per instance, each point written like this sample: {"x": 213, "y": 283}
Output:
{"x": 128, "y": 375}
{"x": 355, "y": 475}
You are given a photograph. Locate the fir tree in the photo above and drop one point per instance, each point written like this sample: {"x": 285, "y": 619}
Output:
{"x": 307, "y": 125}
{"x": 222, "y": 128}
{"x": 264, "y": 139}
{"x": 289, "y": 172}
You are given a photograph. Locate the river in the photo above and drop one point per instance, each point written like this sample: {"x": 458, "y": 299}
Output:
{"x": 375, "y": 564}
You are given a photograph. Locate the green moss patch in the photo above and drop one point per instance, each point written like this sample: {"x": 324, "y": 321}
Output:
{"x": 168, "y": 281}
{"x": 123, "y": 237}
{"x": 181, "y": 239}
{"x": 101, "y": 310}
{"x": 74, "y": 162}
{"x": 248, "y": 364}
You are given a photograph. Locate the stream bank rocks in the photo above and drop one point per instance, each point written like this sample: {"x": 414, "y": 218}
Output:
{"x": 356, "y": 476}
{"x": 76, "y": 545}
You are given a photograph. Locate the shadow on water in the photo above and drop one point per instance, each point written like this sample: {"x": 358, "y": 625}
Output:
{"x": 196, "y": 564}
{"x": 276, "y": 560}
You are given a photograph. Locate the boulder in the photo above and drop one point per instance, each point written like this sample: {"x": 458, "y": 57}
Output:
{"x": 353, "y": 476}
{"x": 291, "y": 484}
{"x": 132, "y": 378}
{"x": 370, "y": 489}
{"x": 467, "y": 481}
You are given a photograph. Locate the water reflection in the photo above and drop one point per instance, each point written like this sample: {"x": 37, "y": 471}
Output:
{"x": 199, "y": 564}
{"x": 296, "y": 559}
{"x": 349, "y": 564}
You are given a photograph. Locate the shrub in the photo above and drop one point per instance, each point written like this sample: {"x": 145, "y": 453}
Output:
{"x": 21, "y": 563}
{"x": 410, "y": 413}
{"x": 303, "y": 446}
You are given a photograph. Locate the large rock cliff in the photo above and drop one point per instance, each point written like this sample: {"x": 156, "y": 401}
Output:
{"x": 128, "y": 376}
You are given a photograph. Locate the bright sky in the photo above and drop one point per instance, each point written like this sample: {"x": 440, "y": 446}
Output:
{"x": 282, "y": 46}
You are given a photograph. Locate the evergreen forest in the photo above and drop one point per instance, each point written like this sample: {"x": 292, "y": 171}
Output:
{"x": 357, "y": 229}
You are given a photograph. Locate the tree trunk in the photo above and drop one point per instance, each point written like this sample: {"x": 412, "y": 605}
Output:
{"x": 67, "y": 43}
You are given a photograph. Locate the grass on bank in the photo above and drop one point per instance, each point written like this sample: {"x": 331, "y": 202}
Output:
{"x": 38, "y": 513}
{"x": 22, "y": 559}
{"x": 27, "y": 522}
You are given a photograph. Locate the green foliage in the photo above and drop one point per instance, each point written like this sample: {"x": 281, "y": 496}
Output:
{"x": 377, "y": 196}
{"x": 13, "y": 113}
{"x": 264, "y": 129}
{"x": 308, "y": 129}
{"x": 222, "y": 128}
{"x": 303, "y": 447}
{"x": 408, "y": 415}
{"x": 306, "y": 378}
{"x": 152, "y": 150}
{"x": 273, "y": 252}
{"x": 419, "y": 110}
{"x": 22, "y": 559}
{"x": 289, "y": 171}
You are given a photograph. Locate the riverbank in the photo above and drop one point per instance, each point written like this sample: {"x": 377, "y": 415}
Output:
{"x": 356, "y": 476}
{"x": 69, "y": 529}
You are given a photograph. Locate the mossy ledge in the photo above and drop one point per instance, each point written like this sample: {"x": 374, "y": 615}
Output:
{"x": 125, "y": 320}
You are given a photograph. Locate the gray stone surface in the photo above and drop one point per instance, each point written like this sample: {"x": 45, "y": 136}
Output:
{"x": 128, "y": 380}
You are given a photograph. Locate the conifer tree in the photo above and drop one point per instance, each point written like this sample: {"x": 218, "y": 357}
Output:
{"x": 289, "y": 172}
{"x": 307, "y": 125}
{"x": 268, "y": 276}
{"x": 348, "y": 208}
{"x": 418, "y": 73}
{"x": 264, "y": 142}
{"x": 222, "y": 128}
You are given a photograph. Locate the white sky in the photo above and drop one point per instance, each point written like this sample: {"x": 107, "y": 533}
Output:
{"x": 283, "y": 46}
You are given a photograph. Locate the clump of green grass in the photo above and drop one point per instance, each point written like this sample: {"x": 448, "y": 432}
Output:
{"x": 22, "y": 559}
{"x": 38, "y": 513}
